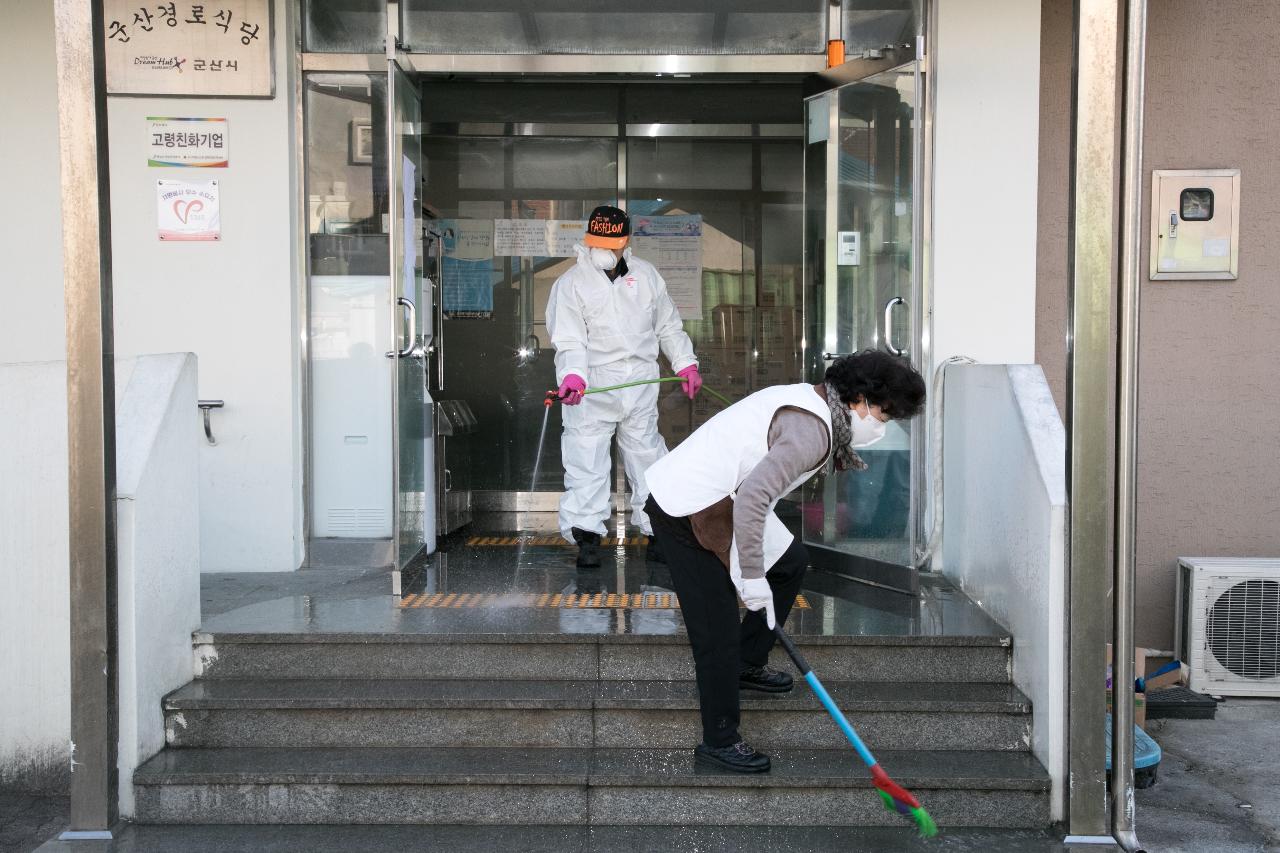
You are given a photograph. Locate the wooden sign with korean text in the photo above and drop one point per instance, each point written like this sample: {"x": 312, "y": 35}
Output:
{"x": 215, "y": 48}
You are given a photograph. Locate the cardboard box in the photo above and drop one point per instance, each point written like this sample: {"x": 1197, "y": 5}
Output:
{"x": 777, "y": 330}
{"x": 1177, "y": 673}
{"x": 1139, "y": 708}
{"x": 733, "y": 325}
{"x": 1139, "y": 699}
{"x": 724, "y": 368}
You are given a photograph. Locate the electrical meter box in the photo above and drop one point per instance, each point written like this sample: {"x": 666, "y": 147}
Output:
{"x": 1195, "y": 224}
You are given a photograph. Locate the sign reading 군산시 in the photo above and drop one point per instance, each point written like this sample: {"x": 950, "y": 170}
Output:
{"x": 187, "y": 142}
{"x": 211, "y": 48}
{"x": 187, "y": 211}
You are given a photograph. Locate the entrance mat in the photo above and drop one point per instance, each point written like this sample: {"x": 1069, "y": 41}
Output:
{"x": 509, "y": 541}
{"x": 599, "y": 600}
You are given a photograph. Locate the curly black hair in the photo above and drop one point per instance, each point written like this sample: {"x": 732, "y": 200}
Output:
{"x": 888, "y": 381}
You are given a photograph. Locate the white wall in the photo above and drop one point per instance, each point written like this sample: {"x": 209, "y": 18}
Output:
{"x": 31, "y": 324}
{"x": 1004, "y": 534}
{"x": 35, "y": 623}
{"x": 159, "y": 562}
{"x": 233, "y": 303}
{"x": 33, "y": 437}
{"x": 158, "y": 524}
{"x": 987, "y": 62}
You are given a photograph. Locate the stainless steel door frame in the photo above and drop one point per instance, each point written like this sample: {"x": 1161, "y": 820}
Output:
{"x": 639, "y": 65}
{"x": 413, "y": 522}
{"x": 901, "y": 576}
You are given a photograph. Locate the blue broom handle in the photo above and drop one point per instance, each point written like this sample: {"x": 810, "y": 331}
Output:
{"x": 825, "y": 698}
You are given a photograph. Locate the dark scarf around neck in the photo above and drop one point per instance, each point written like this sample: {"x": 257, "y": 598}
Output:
{"x": 845, "y": 458}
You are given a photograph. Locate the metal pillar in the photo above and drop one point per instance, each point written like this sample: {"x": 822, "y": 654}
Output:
{"x": 86, "y": 241}
{"x": 1122, "y": 808}
{"x": 1090, "y": 396}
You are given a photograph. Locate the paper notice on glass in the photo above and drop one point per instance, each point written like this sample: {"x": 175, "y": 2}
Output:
{"x": 409, "y": 238}
{"x": 525, "y": 238}
{"x": 563, "y": 235}
{"x": 673, "y": 244}
{"x": 468, "y": 239}
{"x": 188, "y": 211}
{"x": 468, "y": 267}
{"x": 537, "y": 238}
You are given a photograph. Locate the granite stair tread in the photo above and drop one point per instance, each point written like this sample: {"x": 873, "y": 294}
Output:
{"x": 304, "y": 694}
{"x": 964, "y": 770}
{"x": 136, "y": 838}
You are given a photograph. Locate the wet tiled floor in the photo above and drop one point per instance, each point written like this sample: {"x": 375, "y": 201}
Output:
{"x": 513, "y": 578}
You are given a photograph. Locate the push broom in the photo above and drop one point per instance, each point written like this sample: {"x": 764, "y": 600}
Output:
{"x": 896, "y": 798}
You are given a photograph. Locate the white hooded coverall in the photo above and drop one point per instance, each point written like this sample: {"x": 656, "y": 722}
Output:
{"x": 608, "y": 333}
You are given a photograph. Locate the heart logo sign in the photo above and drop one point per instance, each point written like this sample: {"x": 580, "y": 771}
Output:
{"x": 183, "y": 208}
{"x": 187, "y": 211}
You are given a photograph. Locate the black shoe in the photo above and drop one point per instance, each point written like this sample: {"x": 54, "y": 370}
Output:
{"x": 588, "y": 548}
{"x": 740, "y": 758}
{"x": 765, "y": 679}
{"x": 653, "y": 551}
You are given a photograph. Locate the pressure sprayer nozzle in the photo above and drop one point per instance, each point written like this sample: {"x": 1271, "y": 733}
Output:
{"x": 551, "y": 398}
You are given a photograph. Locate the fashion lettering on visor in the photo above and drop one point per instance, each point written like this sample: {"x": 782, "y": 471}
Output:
{"x": 604, "y": 228}
{"x": 608, "y": 228}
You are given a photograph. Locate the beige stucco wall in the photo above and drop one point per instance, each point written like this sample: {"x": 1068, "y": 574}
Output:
{"x": 1209, "y": 471}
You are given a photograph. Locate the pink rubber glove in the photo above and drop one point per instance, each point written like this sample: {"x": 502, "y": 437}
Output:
{"x": 692, "y": 380}
{"x": 572, "y": 389}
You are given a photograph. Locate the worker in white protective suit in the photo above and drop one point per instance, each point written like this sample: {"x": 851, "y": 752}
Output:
{"x": 608, "y": 316}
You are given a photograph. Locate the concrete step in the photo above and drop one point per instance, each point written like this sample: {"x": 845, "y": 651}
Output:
{"x": 586, "y": 657}
{"x": 608, "y": 714}
{"x": 578, "y": 787}
{"x": 571, "y": 839}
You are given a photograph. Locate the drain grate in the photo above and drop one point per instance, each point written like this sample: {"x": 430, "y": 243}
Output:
{"x": 599, "y": 600}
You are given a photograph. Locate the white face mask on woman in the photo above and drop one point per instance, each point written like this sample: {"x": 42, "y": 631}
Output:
{"x": 603, "y": 259}
{"x": 867, "y": 429}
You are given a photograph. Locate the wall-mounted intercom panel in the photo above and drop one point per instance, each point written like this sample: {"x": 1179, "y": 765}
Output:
{"x": 1195, "y": 224}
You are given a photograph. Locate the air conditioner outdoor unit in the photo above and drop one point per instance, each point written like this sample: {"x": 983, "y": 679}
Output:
{"x": 1228, "y": 625}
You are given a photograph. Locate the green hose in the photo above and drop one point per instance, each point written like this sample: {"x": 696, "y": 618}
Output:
{"x": 713, "y": 393}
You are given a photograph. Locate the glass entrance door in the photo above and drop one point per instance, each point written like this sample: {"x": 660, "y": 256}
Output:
{"x": 861, "y": 269}
{"x": 411, "y": 317}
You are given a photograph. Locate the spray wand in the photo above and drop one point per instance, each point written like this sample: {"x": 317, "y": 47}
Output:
{"x": 553, "y": 396}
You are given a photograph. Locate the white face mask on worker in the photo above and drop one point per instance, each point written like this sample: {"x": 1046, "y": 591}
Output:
{"x": 867, "y": 429}
{"x": 603, "y": 259}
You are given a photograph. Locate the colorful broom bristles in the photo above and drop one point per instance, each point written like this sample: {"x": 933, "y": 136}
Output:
{"x": 895, "y": 797}
{"x": 898, "y": 799}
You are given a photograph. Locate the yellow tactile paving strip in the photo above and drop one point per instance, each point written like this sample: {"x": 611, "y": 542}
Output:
{"x": 600, "y": 600}
{"x": 510, "y": 541}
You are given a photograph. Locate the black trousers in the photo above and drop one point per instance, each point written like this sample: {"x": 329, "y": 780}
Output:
{"x": 722, "y": 643}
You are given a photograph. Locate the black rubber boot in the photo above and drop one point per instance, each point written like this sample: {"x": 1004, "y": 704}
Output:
{"x": 765, "y": 679}
{"x": 740, "y": 758}
{"x": 588, "y": 548}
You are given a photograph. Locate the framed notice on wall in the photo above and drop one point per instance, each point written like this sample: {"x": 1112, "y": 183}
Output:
{"x": 200, "y": 143}
{"x": 188, "y": 211}
{"x": 214, "y": 48}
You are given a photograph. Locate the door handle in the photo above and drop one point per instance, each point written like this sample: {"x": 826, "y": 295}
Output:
{"x": 888, "y": 325}
{"x": 411, "y": 343}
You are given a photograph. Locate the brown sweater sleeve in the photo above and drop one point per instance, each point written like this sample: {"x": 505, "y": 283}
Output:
{"x": 798, "y": 442}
